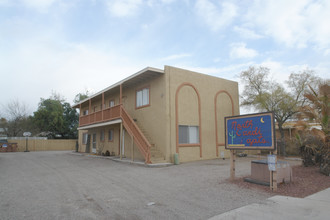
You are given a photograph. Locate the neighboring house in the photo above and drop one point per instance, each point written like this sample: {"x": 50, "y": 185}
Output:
{"x": 291, "y": 129}
{"x": 162, "y": 112}
{"x": 2, "y": 133}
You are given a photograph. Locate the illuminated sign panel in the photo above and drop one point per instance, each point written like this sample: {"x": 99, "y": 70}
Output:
{"x": 250, "y": 132}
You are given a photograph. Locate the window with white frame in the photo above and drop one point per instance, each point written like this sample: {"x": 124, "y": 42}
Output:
{"x": 110, "y": 137}
{"x": 188, "y": 134}
{"x": 85, "y": 137}
{"x": 85, "y": 112}
{"x": 111, "y": 103}
{"x": 102, "y": 136}
{"x": 142, "y": 97}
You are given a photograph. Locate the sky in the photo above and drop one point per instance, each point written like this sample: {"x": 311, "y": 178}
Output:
{"x": 70, "y": 46}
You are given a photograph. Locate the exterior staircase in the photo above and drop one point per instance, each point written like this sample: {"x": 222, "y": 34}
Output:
{"x": 141, "y": 138}
{"x": 156, "y": 155}
{"x": 133, "y": 129}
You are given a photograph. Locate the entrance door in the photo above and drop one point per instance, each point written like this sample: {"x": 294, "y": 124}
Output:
{"x": 88, "y": 145}
{"x": 94, "y": 143}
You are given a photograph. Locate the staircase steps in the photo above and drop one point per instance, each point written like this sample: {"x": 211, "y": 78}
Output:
{"x": 156, "y": 155}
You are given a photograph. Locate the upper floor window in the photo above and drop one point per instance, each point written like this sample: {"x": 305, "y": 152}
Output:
{"x": 111, "y": 103}
{"x": 142, "y": 97}
{"x": 85, "y": 112}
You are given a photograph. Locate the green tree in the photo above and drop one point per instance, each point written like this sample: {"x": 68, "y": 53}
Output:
{"x": 81, "y": 96}
{"x": 264, "y": 94}
{"x": 71, "y": 120}
{"x": 49, "y": 117}
{"x": 56, "y": 118}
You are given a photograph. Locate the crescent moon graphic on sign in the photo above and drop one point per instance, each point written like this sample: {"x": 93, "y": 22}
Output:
{"x": 262, "y": 120}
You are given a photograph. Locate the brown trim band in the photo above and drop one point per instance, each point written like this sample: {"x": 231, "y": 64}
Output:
{"x": 177, "y": 119}
{"x": 216, "y": 118}
{"x": 189, "y": 145}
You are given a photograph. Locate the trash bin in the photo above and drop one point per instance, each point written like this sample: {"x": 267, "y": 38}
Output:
{"x": 176, "y": 159}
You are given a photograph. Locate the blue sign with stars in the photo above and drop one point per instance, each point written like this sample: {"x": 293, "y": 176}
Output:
{"x": 249, "y": 132}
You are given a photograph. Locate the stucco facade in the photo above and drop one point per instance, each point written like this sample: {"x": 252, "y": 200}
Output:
{"x": 183, "y": 114}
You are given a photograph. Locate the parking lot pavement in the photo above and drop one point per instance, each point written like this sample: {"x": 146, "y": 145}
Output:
{"x": 61, "y": 185}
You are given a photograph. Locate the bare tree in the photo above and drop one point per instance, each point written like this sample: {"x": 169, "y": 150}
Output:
{"x": 14, "y": 118}
{"x": 264, "y": 94}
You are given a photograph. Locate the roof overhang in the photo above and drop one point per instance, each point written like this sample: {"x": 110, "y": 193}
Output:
{"x": 141, "y": 76}
{"x": 117, "y": 121}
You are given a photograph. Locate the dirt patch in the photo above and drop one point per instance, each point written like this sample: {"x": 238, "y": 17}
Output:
{"x": 306, "y": 181}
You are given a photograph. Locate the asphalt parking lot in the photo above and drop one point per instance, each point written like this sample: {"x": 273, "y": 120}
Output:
{"x": 63, "y": 185}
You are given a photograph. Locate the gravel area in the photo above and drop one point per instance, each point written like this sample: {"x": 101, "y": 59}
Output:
{"x": 64, "y": 185}
{"x": 306, "y": 181}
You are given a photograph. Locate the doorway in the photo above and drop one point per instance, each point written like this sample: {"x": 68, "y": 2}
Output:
{"x": 94, "y": 143}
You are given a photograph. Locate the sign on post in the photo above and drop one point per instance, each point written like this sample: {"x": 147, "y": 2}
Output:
{"x": 250, "y": 132}
{"x": 271, "y": 161}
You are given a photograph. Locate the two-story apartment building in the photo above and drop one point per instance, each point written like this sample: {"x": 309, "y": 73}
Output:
{"x": 156, "y": 113}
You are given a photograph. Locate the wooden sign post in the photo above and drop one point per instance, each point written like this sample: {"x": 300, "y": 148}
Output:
{"x": 232, "y": 164}
{"x": 273, "y": 171}
{"x": 251, "y": 132}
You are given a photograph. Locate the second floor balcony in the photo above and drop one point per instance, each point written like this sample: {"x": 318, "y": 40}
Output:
{"x": 104, "y": 115}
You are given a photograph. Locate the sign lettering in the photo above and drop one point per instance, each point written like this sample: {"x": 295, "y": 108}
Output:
{"x": 254, "y": 131}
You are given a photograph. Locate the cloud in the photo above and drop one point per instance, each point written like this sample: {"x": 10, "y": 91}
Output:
{"x": 294, "y": 23}
{"x": 247, "y": 33}
{"x": 4, "y": 2}
{"x": 40, "y": 5}
{"x": 176, "y": 56}
{"x": 123, "y": 8}
{"x": 239, "y": 50}
{"x": 216, "y": 16}
{"x": 168, "y": 1}
{"x": 51, "y": 64}
{"x": 229, "y": 72}
{"x": 280, "y": 71}
{"x": 327, "y": 52}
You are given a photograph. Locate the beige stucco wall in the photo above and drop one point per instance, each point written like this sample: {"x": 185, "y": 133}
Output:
{"x": 158, "y": 120}
{"x": 106, "y": 145}
{"x": 207, "y": 87}
{"x": 188, "y": 110}
{"x": 81, "y": 146}
{"x": 151, "y": 119}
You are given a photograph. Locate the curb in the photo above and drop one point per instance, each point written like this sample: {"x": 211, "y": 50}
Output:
{"x": 116, "y": 159}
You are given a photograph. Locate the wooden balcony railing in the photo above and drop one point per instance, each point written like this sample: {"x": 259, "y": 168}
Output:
{"x": 96, "y": 117}
{"x": 117, "y": 112}
{"x": 84, "y": 120}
